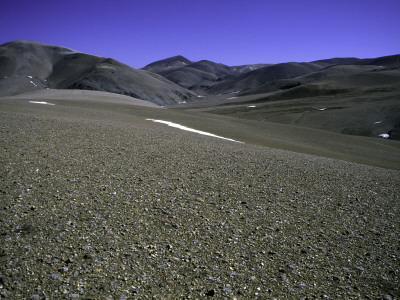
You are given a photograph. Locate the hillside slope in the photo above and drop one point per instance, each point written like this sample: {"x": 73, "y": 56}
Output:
{"x": 197, "y": 76}
{"x": 98, "y": 202}
{"x": 260, "y": 76}
{"x": 27, "y": 66}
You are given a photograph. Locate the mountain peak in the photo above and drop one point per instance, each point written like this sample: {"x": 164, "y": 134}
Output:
{"x": 168, "y": 63}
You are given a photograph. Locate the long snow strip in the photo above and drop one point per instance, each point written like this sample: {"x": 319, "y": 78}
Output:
{"x": 41, "y": 102}
{"x": 191, "y": 129}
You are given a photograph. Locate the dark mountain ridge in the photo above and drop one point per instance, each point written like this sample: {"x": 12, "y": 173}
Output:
{"x": 212, "y": 78}
{"x": 27, "y": 66}
{"x": 198, "y": 76}
{"x": 344, "y": 95}
{"x": 257, "y": 77}
{"x": 168, "y": 63}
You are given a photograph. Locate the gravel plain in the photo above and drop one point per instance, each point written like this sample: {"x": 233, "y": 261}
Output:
{"x": 105, "y": 209}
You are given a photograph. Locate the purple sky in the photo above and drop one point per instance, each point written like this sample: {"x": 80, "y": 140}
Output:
{"x": 232, "y": 32}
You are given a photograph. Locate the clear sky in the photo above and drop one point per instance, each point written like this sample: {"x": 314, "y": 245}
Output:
{"x": 232, "y": 32}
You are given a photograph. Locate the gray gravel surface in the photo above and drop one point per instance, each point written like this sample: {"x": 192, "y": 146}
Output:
{"x": 119, "y": 210}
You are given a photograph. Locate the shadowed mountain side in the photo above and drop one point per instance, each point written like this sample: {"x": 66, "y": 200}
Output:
{"x": 383, "y": 61}
{"x": 213, "y": 78}
{"x": 112, "y": 76}
{"x": 337, "y": 61}
{"x": 364, "y": 104}
{"x": 27, "y": 66}
{"x": 219, "y": 70}
{"x": 366, "y": 82}
{"x": 260, "y": 76}
{"x": 198, "y": 75}
{"x": 190, "y": 78}
{"x": 205, "y": 65}
{"x": 333, "y": 71}
{"x": 389, "y": 61}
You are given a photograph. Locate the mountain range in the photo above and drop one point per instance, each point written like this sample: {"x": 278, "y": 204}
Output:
{"x": 345, "y": 95}
{"x": 27, "y": 66}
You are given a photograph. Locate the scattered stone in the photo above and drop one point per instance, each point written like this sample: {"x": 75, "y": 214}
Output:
{"x": 4, "y": 280}
{"x": 210, "y": 293}
{"x": 302, "y": 284}
{"x": 252, "y": 278}
{"x": 90, "y": 255}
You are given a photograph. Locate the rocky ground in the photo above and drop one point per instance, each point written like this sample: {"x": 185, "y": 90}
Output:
{"x": 116, "y": 210}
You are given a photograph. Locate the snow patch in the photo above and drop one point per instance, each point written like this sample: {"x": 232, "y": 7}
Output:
{"x": 175, "y": 125}
{"x": 231, "y": 98}
{"x": 384, "y": 135}
{"x": 251, "y": 106}
{"x": 321, "y": 109}
{"x": 33, "y": 83}
{"x": 378, "y": 122}
{"x": 41, "y": 102}
{"x": 30, "y": 77}
{"x": 200, "y": 96}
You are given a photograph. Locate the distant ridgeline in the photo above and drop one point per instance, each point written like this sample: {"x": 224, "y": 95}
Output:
{"x": 26, "y": 66}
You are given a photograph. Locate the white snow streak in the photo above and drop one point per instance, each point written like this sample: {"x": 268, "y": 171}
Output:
{"x": 33, "y": 83}
{"x": 175, "y": 125}
{"x": 378, "y": 122}
{"x": 251, "y": 106}
{"x": 384, "y": 135}
{"x": 321, "y": 109}
{"x": 231, "y": 98}
{"x": 41, "y": 102}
